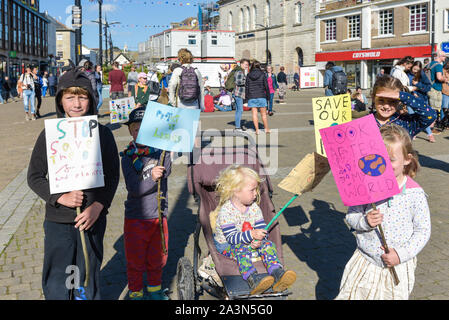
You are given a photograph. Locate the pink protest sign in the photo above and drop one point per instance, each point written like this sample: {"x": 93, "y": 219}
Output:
{"x": 359, "y": 162}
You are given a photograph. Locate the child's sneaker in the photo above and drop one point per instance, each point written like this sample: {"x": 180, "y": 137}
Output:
{"x": 136, "y": 295}
{"x": 157, "y": 295}
{"x": 283, "y": 279}
{"x": 258, "y": 285}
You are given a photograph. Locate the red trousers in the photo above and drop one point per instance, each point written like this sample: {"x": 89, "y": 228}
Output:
{"x": 143, "y": 250}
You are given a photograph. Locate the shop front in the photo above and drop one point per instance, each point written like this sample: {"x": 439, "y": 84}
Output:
{"x": 363, "y": 66}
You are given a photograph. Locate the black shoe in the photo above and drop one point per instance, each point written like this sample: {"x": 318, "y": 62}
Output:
{"x": 243, "y": 128}
{"x": 283, "y": 279}
{"x": 259, "y": 285}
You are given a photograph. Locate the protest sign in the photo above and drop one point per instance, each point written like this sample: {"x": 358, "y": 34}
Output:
{"x": 73, "y": 154}
{"x": 308, "y": 77}
{"x": 359, "y": 162}
{"x": 120, "y": 109}
{"x": 329, "y": 111}
{"x": 168, "y": 128}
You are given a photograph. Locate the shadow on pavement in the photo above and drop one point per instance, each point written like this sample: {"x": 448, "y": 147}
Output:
{"x": 326, "y": 245}
{"x": 114, "y": 126}
{"x": 432, "y": 163}
{"x": 113, "y": 279}
{"x": 47, "y": 115}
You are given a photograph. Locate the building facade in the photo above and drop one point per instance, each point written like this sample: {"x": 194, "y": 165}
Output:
{"x": 23, "y": 37}
{"x": 288, "y": 25}
{"x": 65, "y": 45}
{"x": 442, "y": 25}
{"x": 364, "y": 36}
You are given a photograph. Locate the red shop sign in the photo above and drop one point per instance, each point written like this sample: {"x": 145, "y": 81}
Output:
{"x": 374, "y": 54}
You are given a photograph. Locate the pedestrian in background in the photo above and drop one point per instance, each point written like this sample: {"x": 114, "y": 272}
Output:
{"x": 273, "y": 87}
{"x": 99, "y": 79}
{"x": 37, "y": 90}
{"x": 186, "y": 84}
{"x": 133, "y": 79}
{"x": 258, "y": 94}
{"x": 26, "y": 86}
{"x": 283, "y": 84}
{"x": 238, "y": 89}
{"x": 400, "y": 71}
{"x": 117, "y": 80}
{"x": 52, "y": 83}
{"x": 44, "y": 84}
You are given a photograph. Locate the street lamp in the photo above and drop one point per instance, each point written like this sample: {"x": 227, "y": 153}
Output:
{"x": 100, "y": 31}
{"x": 266, "y": 41}
{"x": 106, "y": 25}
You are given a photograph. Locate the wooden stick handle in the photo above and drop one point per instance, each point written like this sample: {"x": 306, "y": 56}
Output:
{"x": 86, "y": 255}
{"x": 159, "y": 195}
{"x": 387, "y": 250}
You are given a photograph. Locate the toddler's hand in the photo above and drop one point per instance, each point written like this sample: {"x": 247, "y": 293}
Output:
{"x": 157, "y": 173}
{"x": 374, "y": 218}
{"x": 391, "y": 258}
{"x": 71, "y": 199}
{"x": 256, "y": 244}
{"x": 258, "y": 234}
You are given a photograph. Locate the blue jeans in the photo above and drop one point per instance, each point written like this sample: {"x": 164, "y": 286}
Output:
{"x": 238, "y": 111}
{"x": 100, "y": 97}
{"x": 223, "y": 108}
{"x": 270, "y": 103}
{"x": 28, "y": 100}
{"x": 444, "y": 105}
{"x": 44, "y": 91}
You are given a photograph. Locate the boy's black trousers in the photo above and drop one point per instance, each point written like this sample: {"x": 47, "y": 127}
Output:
{"x": 64, "y": 260}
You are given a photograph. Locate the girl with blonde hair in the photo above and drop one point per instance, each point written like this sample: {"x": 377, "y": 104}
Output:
{"x": 239, "y": 231}
{"x": 405, "y": 219}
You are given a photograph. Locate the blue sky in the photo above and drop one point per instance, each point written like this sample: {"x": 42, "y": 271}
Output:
{"x": 134, "y": 15}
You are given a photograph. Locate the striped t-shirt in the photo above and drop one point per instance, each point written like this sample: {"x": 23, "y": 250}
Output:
{"x": 230, "y": 222}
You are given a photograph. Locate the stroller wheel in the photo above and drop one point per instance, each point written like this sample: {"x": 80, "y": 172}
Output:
{"x": 185, "y": 280}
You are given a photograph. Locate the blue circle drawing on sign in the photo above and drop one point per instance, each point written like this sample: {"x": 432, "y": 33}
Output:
{"x": 445, "y": 46}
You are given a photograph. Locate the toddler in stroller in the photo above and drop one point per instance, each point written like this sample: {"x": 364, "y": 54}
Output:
{"x": 239, "y": 230}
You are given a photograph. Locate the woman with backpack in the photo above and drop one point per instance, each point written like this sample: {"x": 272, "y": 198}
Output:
{"x": 258, "y": 94}
{"x": 186, "y": 84}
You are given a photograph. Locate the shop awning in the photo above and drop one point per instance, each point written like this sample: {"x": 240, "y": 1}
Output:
{"x": 375, "y": 54}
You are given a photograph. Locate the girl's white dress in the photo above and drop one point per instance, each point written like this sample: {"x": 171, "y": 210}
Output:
{"x": 406, "y": 227}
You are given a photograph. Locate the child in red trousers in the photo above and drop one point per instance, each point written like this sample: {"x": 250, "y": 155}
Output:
{"x": 143, "y": 242}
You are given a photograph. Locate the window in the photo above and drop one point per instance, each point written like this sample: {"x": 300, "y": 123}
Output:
{"x": 418, "y": 18}
{"x": 214, "y": 40}
{"x": 192, "y": 40}
{"x": 298, "y": 12}
{"x": 60, "y": 54}
{"x": 230, "y": 22}
{"x": 446, "y": 20}
{"x": 331, "y": 30}
{"x": 247, "y": 18}
{"x": 253, "y": 20}
{"x": 242, "y": 23}
{"x": 167, "y": 39}
{"x": 386, "y": 22}
{"x": 59, "y": 37}
{"x": 267, "y": 14}
{"x": 354, "y": 27}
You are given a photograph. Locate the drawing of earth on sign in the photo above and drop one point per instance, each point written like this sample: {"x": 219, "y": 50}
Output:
{"x": 372, "y": 165}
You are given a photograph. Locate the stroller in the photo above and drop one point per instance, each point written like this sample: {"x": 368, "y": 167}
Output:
{"x": 201, "y": 177}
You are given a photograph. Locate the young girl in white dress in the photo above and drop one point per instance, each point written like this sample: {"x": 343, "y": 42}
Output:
{"x": 405, "y": 219}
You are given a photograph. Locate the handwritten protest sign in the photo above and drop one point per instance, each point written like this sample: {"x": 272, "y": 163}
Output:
{"x": 73, "y": 154}
{"x": 120, "y": 109}
{"x": 168, "y": 128}
{"x": 329, "y": 111}
{"x": 359, "y": 162}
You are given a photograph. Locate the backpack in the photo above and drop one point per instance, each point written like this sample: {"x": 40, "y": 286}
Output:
{"x": 339, "y": 82}
{"x": 428, "y": 72}
{"x": 189, "y": 90}
{"x": 230, "y": 81}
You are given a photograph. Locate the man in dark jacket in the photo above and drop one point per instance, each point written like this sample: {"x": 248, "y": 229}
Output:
{"x": 330, "y": 69}
{"x": 62, "y": 245}
{"x": 52, "y": 83}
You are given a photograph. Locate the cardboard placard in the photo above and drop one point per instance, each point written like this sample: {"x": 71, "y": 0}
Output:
{"x": 73, "y": 154}
{"x": 306, "y": 175}
{"x": 120, "y": 109}
{"x": 330, "y": 111}
{"x": 359, "y": 162}
{"x": 168, "y": 128}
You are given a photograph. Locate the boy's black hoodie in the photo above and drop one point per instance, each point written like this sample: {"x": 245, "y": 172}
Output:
{"x": 38, "y": 167}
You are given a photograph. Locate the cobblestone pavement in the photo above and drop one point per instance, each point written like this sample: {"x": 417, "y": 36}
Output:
{"x": 316, "y": 241}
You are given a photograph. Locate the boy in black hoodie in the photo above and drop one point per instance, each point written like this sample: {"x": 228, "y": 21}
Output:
{"x": 62, "y": 244}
